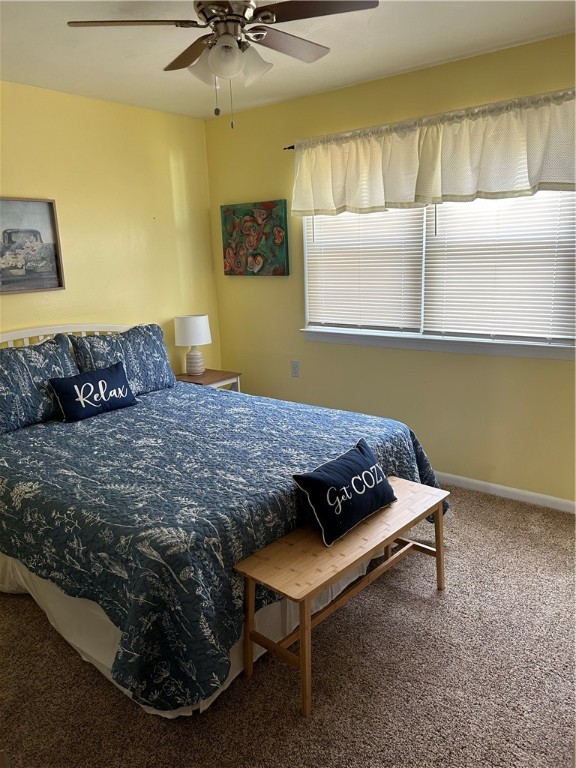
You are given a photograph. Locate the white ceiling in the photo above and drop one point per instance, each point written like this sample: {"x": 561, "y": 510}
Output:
{"x": 125, "y": 64}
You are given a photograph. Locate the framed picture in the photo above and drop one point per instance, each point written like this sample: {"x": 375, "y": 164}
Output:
{"x": 255, "y": 239}
{"x": 30, "y": 258}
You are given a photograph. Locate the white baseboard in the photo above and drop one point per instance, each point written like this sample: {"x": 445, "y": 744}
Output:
{"x": 553, "y": 502}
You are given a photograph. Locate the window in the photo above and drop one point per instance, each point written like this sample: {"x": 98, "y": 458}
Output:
{"x": 489, "y": 270}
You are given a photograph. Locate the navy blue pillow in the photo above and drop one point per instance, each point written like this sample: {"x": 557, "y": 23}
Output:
{"x": 93, "y": 392}
{"x": 345, "y": 491}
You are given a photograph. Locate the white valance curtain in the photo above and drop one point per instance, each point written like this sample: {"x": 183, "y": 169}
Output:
{"x": 507, "y": 149}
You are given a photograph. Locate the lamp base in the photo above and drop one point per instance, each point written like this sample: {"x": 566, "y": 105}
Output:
{"x": 195, "y": 362}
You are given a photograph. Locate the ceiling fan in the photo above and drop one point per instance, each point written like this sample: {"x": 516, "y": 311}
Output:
{"x": 226, "y": 51}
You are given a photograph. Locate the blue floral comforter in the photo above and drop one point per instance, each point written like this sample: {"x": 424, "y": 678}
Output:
{"x": 145, "y": 510}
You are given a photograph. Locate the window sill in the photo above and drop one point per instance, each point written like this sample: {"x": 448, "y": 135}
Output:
{"x": 429, "y": 344}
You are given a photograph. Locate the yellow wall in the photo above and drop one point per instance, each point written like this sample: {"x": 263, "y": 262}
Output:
{"x": 131, "y": 192}
{"x": 138, "y": 197}
{"x": 508, "y": 421}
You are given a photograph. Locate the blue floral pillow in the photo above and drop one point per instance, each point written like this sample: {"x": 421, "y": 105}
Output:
{"x": 346, "y": 490}
{"x": 25, "y": 397}
{"x": 141, "y": 349}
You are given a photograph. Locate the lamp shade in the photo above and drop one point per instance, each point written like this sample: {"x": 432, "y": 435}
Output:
{"x": 225, "y": 58}
{"x": 254, "y": 66}
{"x": 201, "y": 70}
{"x": 192, "y": 330}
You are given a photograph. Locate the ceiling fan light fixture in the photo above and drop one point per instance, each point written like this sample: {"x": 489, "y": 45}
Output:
{"x": 201, "y": 69}
{"x": 225, "y": 58}
{"x": 254, "y": 66}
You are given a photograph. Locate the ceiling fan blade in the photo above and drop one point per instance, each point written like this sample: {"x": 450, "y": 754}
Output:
{"x": 191, "y": 54}
{"x": 292, "y": 10}
{"x": 136, "y": 23}
{"x": 305, "y": 50}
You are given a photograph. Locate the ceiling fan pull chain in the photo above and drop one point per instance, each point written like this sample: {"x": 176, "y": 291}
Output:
{"x": 217, "y": 108}
{"x": 231, "y": 106}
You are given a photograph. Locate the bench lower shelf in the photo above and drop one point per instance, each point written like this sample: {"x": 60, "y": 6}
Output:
{"x": 299, "y": 566}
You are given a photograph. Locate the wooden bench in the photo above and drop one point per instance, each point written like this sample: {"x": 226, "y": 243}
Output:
{"x": 299, "y": 566}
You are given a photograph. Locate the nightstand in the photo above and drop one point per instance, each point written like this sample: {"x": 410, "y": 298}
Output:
{"x": 213, "y": 378}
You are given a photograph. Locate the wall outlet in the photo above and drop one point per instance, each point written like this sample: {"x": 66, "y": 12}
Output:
{"x": 294, "y": 368}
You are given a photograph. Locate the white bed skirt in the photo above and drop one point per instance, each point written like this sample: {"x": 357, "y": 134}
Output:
{"x": 84, "y": 625}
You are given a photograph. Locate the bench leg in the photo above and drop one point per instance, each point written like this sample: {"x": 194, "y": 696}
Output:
{"x": 250, "y": 598}
{"x": 306, "y": 657}
{"x": 439, "y": 545}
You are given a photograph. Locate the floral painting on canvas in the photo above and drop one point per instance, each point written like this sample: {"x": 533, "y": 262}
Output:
{"x": 254, "y": 238}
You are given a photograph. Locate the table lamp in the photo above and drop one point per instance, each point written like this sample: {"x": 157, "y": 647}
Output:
{"x": 193, "y": 331}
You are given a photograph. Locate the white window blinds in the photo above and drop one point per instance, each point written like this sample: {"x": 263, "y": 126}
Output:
{"x": 365, "y": 271}
{"x": 501, "y": 269}
{"x": 500, "y": 150}
{"x": 489, "y": 269}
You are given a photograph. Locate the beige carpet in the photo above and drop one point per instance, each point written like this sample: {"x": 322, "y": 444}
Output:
{"x": 481, "y": 675}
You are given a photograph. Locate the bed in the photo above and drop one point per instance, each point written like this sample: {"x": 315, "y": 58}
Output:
{"x": 125, "y": 526}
